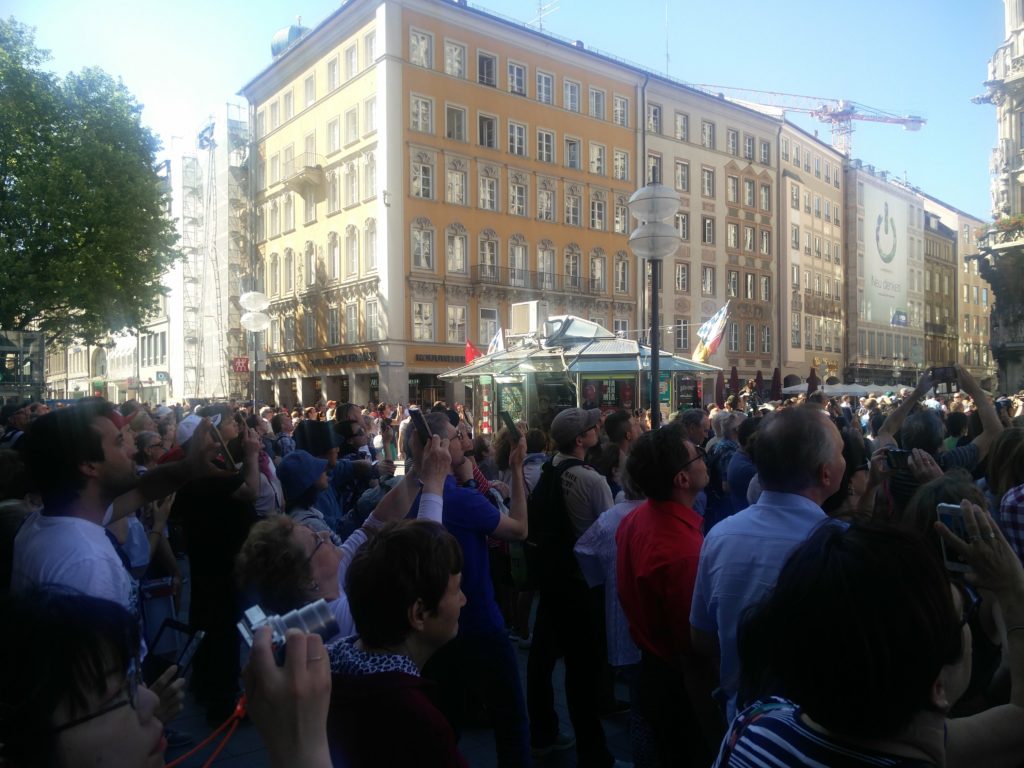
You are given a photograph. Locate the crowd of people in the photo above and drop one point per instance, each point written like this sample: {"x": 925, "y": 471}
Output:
{"x": 756, "y": 584}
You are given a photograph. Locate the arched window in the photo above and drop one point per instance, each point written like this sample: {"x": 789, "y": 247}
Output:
{"x": 275, "y": 275}
{"x": 370, "y": 244}
{"x": 289, "y": 270}
{"x": 351, "y": 250}
{"x": 261, "y": 276}
{"x": 333, "y": 256}
{"x": 310, "y": 263}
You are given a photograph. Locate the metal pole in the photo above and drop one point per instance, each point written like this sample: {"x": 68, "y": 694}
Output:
{"x": 655, "y": 353}
{"x": 255, "y": 365}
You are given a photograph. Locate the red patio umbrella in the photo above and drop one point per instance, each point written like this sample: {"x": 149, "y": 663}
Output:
{"x": 812, "y": 382}
{"x": 776, "y": 393}
{"x": 734, "y": 382}
{"x": 759, "y": 384}
{"x": 720, "y": 389}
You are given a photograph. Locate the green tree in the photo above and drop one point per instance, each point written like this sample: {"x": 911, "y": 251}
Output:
{"x": 84, "y": 230}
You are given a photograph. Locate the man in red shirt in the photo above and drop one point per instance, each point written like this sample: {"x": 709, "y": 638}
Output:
{"x": 658, "y": 547}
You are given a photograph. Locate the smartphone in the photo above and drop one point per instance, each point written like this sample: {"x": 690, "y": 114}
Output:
{"x": 185, "y": 659}
{"x": 224, "y": 446}
{"x": 416, "y": 415}
{"x": 944, "y": 380}
{"x": 509, "y": 424}
{"x": 952, "y": 517}
{"x": 897, "y": 458}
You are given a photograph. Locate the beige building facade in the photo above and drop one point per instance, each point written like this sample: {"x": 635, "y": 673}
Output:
{"x": 812, "y": 292}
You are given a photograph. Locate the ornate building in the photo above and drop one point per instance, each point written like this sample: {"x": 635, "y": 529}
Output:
{"x": 1002, "y": 247}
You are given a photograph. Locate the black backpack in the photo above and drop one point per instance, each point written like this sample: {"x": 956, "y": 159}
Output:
{"x": 545, "y": 557}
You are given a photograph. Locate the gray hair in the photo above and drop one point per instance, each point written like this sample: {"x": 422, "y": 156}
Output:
{"x": 792, "y": 445}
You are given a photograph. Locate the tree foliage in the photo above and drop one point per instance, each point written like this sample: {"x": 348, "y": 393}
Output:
{"x": 84, "y": 230}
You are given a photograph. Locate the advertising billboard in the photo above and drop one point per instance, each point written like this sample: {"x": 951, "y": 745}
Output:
{"x": 885, "y": 257}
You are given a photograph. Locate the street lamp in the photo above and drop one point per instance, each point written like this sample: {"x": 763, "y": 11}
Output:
{"x": 254, "y": 320}
{"x": 654, "y": 240}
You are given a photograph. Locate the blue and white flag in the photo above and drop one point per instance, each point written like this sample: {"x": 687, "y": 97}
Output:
{"x": 497, "y": 343}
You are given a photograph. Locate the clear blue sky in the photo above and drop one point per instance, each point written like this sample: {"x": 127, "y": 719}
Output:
{"x": 927, "y": 57}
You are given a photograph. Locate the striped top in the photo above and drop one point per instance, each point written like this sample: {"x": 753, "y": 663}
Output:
{"x": 770, "y": 734}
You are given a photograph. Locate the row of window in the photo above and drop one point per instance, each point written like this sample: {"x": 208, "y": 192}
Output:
{"x": 284, "y": 164}
{"x": 282, "y": 332}
{"x": 972, "y": 293}
{"x": 754, "y": 287}
{"x": 517, "y": 79}
{"x": 813, "y": 244}
{"x": 933, "y": 284}
{"x": 816, "y": 283}
{"x": 546, "y": 145}
{"x": 979, "y": 323}
{"x": 544, "y": 207}
{"x": 807, "y": 159}
{"x": 284, "y": 272}
{"x": 740, "y": 237}
{"x": 281, "y": 109}
{"x": 545, "y": 264}
{"x": 820, "y": 333}
{"x": 830, "y": 210}
{"x": 277, "y": 215}
{"x": 883, "y": 345}
{"x": 746, "y": 145}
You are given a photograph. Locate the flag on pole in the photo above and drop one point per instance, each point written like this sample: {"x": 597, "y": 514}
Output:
{"x": 497, "y": 343}
{"x": 472, "y": 353}
{"x": 710, "y": 335}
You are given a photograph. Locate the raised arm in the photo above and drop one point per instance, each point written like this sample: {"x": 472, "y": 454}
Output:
{"x": 515, "y": 527}
{"x": 990, "y": 423}
{"x": 893, "y": 422}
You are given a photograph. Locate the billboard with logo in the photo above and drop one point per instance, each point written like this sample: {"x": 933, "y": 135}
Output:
{"x": 885, "y": 257}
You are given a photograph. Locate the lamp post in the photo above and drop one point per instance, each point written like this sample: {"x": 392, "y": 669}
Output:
{"x": 654, "y": 239}
{"x": 254, "y": 320}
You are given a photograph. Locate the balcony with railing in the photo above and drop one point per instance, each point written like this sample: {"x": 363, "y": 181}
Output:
{"x": 304, "y": 170}
{"x": 513, "y": 277}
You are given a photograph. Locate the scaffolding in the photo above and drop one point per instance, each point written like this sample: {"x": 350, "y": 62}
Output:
{"x": 192, "y": 240}
{"x": 215, "y": 244}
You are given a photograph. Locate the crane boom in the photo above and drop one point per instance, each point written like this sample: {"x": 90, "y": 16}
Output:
{"x": 839, "y": 113}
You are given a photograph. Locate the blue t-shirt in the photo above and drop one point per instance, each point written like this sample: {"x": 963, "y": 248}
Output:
{"x": 741, "y": 471}
{"x": 470, "y": 518}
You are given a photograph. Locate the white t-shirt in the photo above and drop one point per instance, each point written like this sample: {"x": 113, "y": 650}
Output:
{"x": 69, "y": 552}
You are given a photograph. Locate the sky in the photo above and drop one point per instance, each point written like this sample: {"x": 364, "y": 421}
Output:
{"x": 183, "y": 59}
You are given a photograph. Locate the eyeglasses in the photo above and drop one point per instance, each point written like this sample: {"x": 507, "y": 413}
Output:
{"x": 133, "y": 679}
{"x": 321, "y": 538}
{"x": 701, "y": 455}
{"x": 971, "y": 603}
{"x": 589, "y": 429}
{"x": 462, "y": 434}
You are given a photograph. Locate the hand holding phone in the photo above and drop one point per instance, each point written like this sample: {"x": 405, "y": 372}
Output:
{"x": 897, "y": 458}
{"x": 952, "y": 516}
{"x": 420, "y": 423}
{"x": 509, "y": 424}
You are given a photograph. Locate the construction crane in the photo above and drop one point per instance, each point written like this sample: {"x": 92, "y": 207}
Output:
{"x": 839, "y": 113}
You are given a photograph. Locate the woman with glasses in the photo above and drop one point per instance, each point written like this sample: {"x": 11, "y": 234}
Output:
{"x": 859, "y": 654}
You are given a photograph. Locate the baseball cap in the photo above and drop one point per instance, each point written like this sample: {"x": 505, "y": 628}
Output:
{"x": 572, "y": 422}
{"x": 188, "y": 426}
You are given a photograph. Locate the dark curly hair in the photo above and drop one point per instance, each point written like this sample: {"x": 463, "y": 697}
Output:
{"x": 272, "y": 569}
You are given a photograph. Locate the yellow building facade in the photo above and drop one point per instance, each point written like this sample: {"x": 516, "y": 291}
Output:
{"x": 418, "y": 168}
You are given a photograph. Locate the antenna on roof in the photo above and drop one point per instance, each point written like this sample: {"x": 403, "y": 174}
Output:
{"x": 543, "y": 9}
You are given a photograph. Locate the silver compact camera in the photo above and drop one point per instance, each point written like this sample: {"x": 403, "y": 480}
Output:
{"x": 316, "y": 617}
